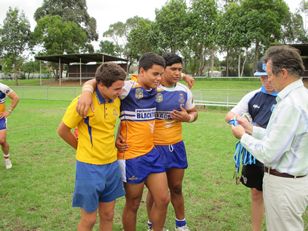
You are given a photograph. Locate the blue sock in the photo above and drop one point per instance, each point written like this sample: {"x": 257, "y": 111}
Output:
{"x": 180, "y": 223}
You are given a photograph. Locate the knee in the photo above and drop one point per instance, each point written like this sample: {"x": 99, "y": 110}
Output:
{"x": 88, "y": 221}
{"x": 176, "y": 190}
{"x": 133, "y": 204}
{"x": 107, "y": 216}
{"x": 2, "y": 141}
{"x": 163, "y": 200}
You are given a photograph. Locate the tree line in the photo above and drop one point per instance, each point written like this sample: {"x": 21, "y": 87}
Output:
{"x": 224, "y": 35}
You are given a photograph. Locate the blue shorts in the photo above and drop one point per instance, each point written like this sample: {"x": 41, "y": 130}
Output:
{"x": 173, "y": 156}
{"x": 96, "y": 183}
{"x": 3, "y": 123}
{"x": 136, "y": 170}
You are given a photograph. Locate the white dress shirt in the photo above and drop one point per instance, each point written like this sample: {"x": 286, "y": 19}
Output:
{"x": 283, "y": 145}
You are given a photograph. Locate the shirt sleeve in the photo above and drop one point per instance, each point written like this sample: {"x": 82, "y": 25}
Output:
{"x": 190, "y": 100}
{"x": 278, "y": 136}
{"x": 242, "y": 106}
{"x": 5, "y": 89}
{"x": 71, "y": 118}
{"x": 128, "y": 84}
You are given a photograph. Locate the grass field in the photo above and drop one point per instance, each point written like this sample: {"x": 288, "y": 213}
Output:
{"x": 35, "y": 195}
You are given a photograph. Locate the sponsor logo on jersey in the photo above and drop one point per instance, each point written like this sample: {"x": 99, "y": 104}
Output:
{"x": 145, "y": 113}
{"x": 256, "y": 106}
{"x": 163, "y": 115}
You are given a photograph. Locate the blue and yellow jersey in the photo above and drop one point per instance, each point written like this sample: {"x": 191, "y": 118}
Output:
{"x": 138, "y": 109}
{"x": 96, "y": 140}
{"x": 168, "y": 131}
{"x": 4, "y": 91}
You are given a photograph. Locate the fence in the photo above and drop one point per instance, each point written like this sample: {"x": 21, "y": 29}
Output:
{"x": 208, "y": 97}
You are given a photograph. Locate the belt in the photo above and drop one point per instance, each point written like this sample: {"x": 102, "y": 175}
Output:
{"x": 281, "y": 174}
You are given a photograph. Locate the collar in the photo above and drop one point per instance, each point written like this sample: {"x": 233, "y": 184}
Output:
{"x": 292, "y": 86}
{"x": 263, "y": 90}
{"x": 100, "y": 98}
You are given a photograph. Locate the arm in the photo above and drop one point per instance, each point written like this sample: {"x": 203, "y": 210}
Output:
{"x": 120, "y": 141}
{"x": 85, "y": 99}
{"x": 14, "y": 101}
{"x": 188, "y": 79}
{"x": 188, "y": 116}
{"x": 65, "y": 133}
{"x": 278, "y": 136}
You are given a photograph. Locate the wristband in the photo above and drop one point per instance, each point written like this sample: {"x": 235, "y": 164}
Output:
{"x": 87, "y": 88}
{"x": 233, "y": 122}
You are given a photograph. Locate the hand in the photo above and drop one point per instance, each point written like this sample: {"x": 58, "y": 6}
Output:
{"x": 4, "y": 114}
{"x": 238, "y": 131}
{"x": 181, "y": 116}
{"x": 245, "y": 124}
{"x": 189, "y": 80}
{"x": 121, "y": 144}
{"x": 84, "y": 103}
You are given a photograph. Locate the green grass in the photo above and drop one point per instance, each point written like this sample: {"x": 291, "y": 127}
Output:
{"x": 36, "y": 193}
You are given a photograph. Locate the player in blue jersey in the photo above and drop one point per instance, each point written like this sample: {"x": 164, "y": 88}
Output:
{"x": 174, "y": 106}
{"x": 259, "y": 104}
{"x": 4, "y": 92}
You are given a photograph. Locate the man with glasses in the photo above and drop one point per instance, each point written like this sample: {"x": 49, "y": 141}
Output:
{"x": 259, "y": 105}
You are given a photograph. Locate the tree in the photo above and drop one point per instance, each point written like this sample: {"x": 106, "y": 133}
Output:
{"x": 14, "y": 40}
{"x": 172, "y": 22}
{"x": 141, "y": 39}
{"x": 294, "y": 31}
{"x": 264, "y": 20}
{"x": 70, "y": 10}
{"x": 231, "y": 36}
{"x": 202, "y": 31}
{"x": 59, "y": 37}
{"x": 109, "y": 48}
{"x": 30, "y": 67}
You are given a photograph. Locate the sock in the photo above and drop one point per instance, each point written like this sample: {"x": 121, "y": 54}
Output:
{"x": 6, "y": 156}
{"x": 180, "y": 223}
{"x": 149, "y": 224}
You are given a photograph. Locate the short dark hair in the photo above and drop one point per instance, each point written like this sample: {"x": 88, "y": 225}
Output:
{"x": 149, "y": 59}
{"x": 171, "y": 58}
{"x": 108, "y": 73}
{"x": 285, "y": 57}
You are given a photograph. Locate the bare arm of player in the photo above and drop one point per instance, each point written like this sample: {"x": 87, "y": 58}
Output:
{"x": 85, "y": 99}
{"x": 184, "y": 115}
{"x": 14, "y": 101}
{"x": 188, "y": 79}
{"x": 120, "y": 141}
{"x": 65, "y": 133}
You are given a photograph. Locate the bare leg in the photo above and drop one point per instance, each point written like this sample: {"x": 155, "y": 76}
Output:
{"x": 87, "y": 220}
{"x": 106, "y": 213}
{"x": 257, "y": 209}
{"x": 175, "y": 179}
{"x": 157, "y": 184}
{"x": 4, "y": 145}
{"x": 149, "y": 204}
{"x": 133, "y": 197}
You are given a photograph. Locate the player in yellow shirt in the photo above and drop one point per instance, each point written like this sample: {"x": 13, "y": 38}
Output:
{"x": 98, "y": 179}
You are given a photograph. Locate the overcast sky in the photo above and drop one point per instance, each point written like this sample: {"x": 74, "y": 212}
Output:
{"x": 105, "y": 12}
